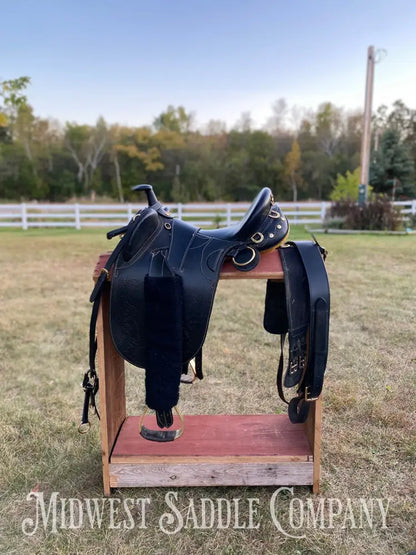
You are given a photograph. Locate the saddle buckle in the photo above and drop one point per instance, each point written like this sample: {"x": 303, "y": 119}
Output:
{"x": 84, "y": 427}
{"x": 90, "y": 385}
{"x": 309, "y": 399}
{"x": 106, "y": 272}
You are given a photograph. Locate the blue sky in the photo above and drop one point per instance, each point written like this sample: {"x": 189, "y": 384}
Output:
{"x": 127, "y": 60}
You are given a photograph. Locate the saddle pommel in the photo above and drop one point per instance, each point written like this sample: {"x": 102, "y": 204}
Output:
{"x": 151, "y": 197}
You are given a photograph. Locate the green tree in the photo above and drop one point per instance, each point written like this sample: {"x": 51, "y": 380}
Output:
{"x": 329, "y": 127}
{"x": 330, "y": 144}
{"x": 202, "y": 166}
{"x": 392, "y": 169}
{"x": 87, "y": 146}
{"x": 174, "y": 119}
{"x": 11, "y": 91}
{"x": 292, "y": 167}
{"x": 23, "y": 130}
{"x": 17, "y": 123}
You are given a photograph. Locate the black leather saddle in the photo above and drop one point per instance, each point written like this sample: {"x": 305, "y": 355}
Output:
{"x": 164, "y": 277}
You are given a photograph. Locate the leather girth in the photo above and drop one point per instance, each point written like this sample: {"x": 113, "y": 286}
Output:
{"x": 300, "y": 309}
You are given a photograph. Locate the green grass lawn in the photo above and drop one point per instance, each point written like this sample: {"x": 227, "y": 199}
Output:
{"x": 369, "y": 419}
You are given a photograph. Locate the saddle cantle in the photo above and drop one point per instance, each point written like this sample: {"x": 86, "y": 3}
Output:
{"x": 164, "y": 277}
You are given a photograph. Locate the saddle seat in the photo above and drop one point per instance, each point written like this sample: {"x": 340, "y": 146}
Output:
{"x": 250, "y": 223}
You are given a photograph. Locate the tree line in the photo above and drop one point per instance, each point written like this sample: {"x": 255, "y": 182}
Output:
{"x": 299, "y": 154}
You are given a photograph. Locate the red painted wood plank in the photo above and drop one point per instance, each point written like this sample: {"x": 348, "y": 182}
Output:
{"x": 218, "y": 436}
{"x": 269, "y": 266}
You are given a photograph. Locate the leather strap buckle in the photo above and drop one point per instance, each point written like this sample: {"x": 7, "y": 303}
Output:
{"x": 309, "y": 398}
{"x": 106, "y": 272}
{"x": 90, "y": 385}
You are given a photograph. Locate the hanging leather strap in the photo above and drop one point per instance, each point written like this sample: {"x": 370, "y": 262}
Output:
{"x": 319, "y": 307}
{"x": 280, "y": 368}
{"x": 90, "y": 383}
{"x": 306, "y": 323}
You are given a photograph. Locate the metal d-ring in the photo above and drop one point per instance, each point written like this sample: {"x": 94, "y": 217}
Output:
{"x": 248, "y": 261}
{"x": 84, "y": 427}
{"x": 257, "y": 237}
{"x": 184, "y": 378}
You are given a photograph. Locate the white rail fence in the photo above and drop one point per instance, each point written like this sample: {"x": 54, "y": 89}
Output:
{"x": 79, "y": 216}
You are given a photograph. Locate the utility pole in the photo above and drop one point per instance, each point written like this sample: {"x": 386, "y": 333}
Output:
{"x": 366, "y": 140}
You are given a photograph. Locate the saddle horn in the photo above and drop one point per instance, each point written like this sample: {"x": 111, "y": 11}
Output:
{"x": 151, "y": 197}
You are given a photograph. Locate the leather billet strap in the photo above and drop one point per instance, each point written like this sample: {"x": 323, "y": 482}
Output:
{"x": 298, "y": 408}
{"x": 161, "y": 436}
{"x": 90, "y": 382}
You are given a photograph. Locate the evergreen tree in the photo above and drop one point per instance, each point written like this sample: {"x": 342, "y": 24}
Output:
{"x": 392, "y": 169}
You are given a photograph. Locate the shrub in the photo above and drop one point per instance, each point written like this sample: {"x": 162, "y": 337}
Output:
{"x": 378, "y": 214}
{"x": 411, "y": 221}
{"x": 346, "y": 187}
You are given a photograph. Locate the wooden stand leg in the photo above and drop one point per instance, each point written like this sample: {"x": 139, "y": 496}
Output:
{"x": 313, "y": 429}
{"x": 112, "y": 387}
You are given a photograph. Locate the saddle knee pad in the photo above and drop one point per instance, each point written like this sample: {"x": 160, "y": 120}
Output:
{"x": 164, "y": 340}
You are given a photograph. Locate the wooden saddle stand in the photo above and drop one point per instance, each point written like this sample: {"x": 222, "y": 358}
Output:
{"x": 216, "y": 450}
